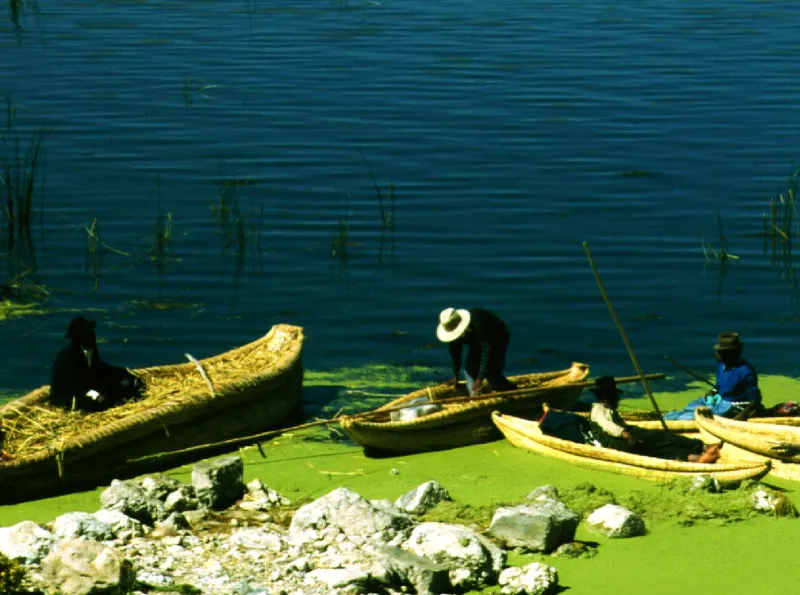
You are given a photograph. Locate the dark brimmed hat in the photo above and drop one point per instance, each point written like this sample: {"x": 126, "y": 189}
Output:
{"x": 728, "y": 341}
{"x": 80, "y": 327}
{"x": 605, "y": 385}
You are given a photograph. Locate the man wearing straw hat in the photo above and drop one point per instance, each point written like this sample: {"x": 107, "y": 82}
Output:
{"x": 486, "y": 337}
{"x": 81, "y": 380}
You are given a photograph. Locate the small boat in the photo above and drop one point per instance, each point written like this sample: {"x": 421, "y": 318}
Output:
{"x": 49, "y": 451}
{"x": 770, "y": 440}
{"x": 462, "y": 421}
{"x": 526, "y": 434}
{"x": 649, "y": 420}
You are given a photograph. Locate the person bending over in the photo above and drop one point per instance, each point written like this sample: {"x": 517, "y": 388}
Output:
{"x": 486, "y": 338}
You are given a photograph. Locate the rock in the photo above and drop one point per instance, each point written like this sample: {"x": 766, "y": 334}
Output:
{"x": 340, "y": 578}
{"x": 421, "y": 499}
{"x": 195, "y": 518}
{"x": 82, "y": 524}
{"x": 26, "y": 542}
{"x": 540, "y": 526}
{"x": 174, "y": 524}
{"x": 258, "y": 492}
{"x": 133, "y": 500}
{"x": 123, "y": 526}
{"x": 471, "y": 559}
{"x": 615, "y": 521}
{"x": 218, "y": 483}
{"x": 533, "y": 579}
{"x": 344, "y": 511}
{"x": 575, "y": 549}
{"x": 256, "y": 538}
{"x": 423, "y": 575}
{"x": 545, "y": 492}
{"x": 706, "y": 483}
{"x": 181, "y": 499}
{"x": 160, "y": 486}
{"x": 773, "y": 503}
{"x": 80, "y": 567}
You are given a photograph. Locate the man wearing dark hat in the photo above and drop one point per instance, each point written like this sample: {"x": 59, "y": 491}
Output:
{"x": 486, "y": 336}
{"x": 736, "y": 387}
{"x": 81, "y": 380}
{"x": 737, "y": 380}
{"x": 611, "y": 431}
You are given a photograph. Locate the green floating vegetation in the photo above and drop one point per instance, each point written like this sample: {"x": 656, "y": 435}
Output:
{"x": 677, "y": 502}
{"x": 12, "y": 575}
{"x": 373, "y": 376}
{"x": 10, "y": 310}
{"x": 163, "y": 305}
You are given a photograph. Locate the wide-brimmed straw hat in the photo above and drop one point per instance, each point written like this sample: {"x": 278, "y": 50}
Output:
{"x": 729, "y": 341}
{"x": 605, "y": 385}
{"x": 452, "y": 324}
{"x": 79, "y": 327}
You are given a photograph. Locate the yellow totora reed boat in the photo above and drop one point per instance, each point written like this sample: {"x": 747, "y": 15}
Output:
{"x": 526, "y": 434}
{"x": 770, "y": 440}
{"x": 251, "y": 388}
{"x": 464, "y": 421}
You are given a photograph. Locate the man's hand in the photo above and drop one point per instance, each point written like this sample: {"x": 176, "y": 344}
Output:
{"x": 630, "y": 438}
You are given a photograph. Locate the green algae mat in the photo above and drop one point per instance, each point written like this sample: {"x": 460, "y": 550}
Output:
{"x": 696, "y": 542}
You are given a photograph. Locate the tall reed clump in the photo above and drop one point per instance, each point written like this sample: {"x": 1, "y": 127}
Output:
{"x": 781, "y": 224}
{"x": 21, "y": 182}
{"x": 236, "y": 233}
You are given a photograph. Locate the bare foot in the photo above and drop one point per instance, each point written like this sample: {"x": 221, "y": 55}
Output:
{"x": 710, "y": 455}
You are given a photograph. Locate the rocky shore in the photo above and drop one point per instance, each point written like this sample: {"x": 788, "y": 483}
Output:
{"x": 218, "y": 536}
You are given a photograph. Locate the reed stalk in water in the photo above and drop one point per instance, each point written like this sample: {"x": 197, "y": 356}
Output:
{"x": 21, "y": 181}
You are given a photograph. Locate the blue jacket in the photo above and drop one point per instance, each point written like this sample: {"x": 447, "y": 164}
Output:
{"x": 738, "y": 383}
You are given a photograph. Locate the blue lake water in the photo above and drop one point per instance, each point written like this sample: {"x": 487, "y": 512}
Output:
{"x": 511, "y": 131}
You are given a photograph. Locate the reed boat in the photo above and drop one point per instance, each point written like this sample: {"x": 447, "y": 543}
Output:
{"x": 526, "y": 434}
{"x": 462, "y": 421}
{"x": 770, "y": 440}
{"x": 252, "y": 388}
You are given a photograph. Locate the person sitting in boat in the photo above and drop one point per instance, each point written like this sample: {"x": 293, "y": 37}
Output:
{"x": 611, "y": 431}
{"x": 486, "y": 336}
{"x": 81, "y": 380}
{"x": 736, "y": 383}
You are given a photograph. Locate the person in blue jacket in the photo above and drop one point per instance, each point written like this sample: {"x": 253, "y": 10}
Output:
{"x": 486, "y": 337}
{"x": 736, "y": 386}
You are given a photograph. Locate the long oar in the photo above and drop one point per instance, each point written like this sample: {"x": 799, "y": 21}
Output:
{"x": 624, "y": 336}
{"x": 690, "y": 373}
{"x": 254, "y": 438}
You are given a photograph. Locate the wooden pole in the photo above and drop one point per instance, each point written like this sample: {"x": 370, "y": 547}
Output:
{"x": 255, "y": 438}
{"x": 690, "y": 373}
{"x": 624, "y": 336}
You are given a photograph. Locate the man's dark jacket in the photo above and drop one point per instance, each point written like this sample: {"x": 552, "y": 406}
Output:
{"x": 73, "y": 377}
{"x": 487, "y": 339}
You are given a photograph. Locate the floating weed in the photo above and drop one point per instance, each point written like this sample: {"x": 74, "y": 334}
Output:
{"x": 163, "y": 305}
{"x": 722, "y": 254}
{"x": 227, "y": 214}
{"x": 162, "y": 232}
